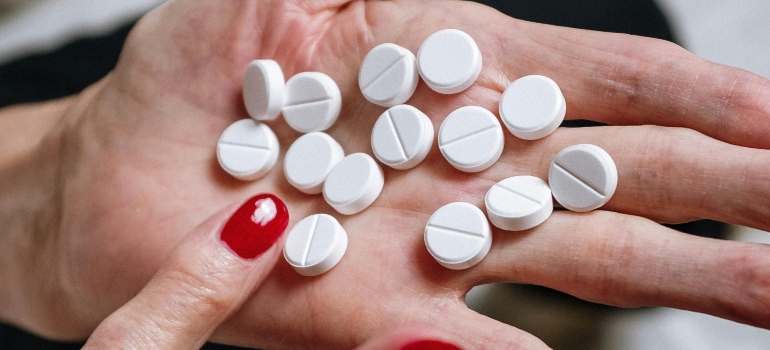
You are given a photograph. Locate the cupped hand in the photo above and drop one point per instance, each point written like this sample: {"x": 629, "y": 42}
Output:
{"x": 139, "y": 168}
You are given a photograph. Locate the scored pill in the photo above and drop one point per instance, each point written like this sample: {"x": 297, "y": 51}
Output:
{"x": 309, "y": 160}
{"x": 402, "y": 137}
{"x": 315, "y": 245}
{"x": 532, "y": 107}
{"x": 312, "y": 102}
{"x": 471, "y": 139}
{"x": 388, "y": 75}
{"x": 247, "y": 149}
{"x": 353, "y": 184}
{"x": 263, "y": 89}
{"x": 519, "y": 203}
{"x": 449, "y": 61}
{"x": 583, "y": 177}
{"x": 458, "y": 235}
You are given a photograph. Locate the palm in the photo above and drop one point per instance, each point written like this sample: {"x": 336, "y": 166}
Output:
{"x": 177, "y": 87}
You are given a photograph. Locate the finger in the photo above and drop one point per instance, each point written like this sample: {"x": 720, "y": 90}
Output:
{"x": 476, "y": 331}
{"x": 628, "y": 261}
{"x": 666, "y": 174}
{"x": 208, "y": 276}
{"x": 409, "y": 339}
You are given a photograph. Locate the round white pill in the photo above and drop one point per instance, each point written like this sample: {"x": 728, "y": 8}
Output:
{"x": 532, "y": 107}
{"x": 309, "y": 160}
{"x": 449, "y": 61}
{"x": 471, "y": 139}
{"x": 263, "y": 88}
{"x": 312, "y": 102}
{"x": 247, "y": 149}
{"x": 402, "y": 137}
{"x": 458, "y": 235}
{"x": 388, "y": 75}
{"x": 315, "y": 245}
{"x": 583, "y": 177}
{"x": 353, "y": 184}
{"x": 519, "y": 203}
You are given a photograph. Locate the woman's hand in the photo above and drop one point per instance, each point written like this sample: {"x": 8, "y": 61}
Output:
{"x": 135, "y": 167}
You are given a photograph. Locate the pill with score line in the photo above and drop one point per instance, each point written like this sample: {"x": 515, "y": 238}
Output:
{"x": 583, "y": 177}
{"x": 312, "y": 102}
{"x": 519, "y": 203}
{"x": 315, "y": 245}
{"x": 388, "y": 75}
{"x": 458, "y": 235}
{"x": 402, "y": 137}
{"x": 449, "y": 61}
{"x": 247, "y": 149}
{"x": 263, "y": 89}
{"x": 471, "y": 139}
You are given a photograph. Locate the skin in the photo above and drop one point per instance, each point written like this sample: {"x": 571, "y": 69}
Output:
{"x": 103, "y": 185}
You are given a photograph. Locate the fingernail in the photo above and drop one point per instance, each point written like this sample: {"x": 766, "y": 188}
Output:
{"x": 255, "y": 226}
{"x": 430, "y": 345}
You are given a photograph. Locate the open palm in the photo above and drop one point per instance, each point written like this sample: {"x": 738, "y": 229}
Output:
{"x": 140, "y": 170}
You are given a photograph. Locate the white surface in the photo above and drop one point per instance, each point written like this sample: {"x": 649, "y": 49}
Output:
{"x": 583, "y": 177}
{"x": 519, "y": 203}
{"x": 353, "y": 184}
{"x": 402, "y": 136}
{"x": 458, "y": 235}
{"x": 263, "y": 87}
{"x": 247, "y": 149}
{"x": 313, "y": 102}
{"x": 388, "y": 75}
{"x": 449, "y": 61}
{"x": 315, "y": 245}
{"x": 532, "y": 107}
{"x": 310, "y": 159}
{"x": 471, "y": 139}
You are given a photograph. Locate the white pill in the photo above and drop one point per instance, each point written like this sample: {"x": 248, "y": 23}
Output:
{"x": 309, "y": 160}
{"x": 532, "y": 107}
{"x": 315, "y": 245}
{"x": 388, "y": 75}
{"x": 402, "y": 137}
{"x": 583, "y": 177}
{"x": 247, "y": 149}
{"x": 263, "y": 88}
{"x": 471, "y": 139}
{"x": 458, "y": 235}
{"x": 312, "y": 102}
{"x": 519, "y": 203}
{"x": 353, "y": 184}
{"x": 449, "y": 61}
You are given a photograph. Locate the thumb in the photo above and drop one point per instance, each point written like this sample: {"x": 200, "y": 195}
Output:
{"x": 206, "y": 278}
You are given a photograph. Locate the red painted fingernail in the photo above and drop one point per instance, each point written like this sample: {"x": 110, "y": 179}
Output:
{"x": 256, "y": 226}
{"x": 430, "y": 345}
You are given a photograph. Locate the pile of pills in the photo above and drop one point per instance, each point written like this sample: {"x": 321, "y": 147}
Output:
{"x": 458, "y": 235}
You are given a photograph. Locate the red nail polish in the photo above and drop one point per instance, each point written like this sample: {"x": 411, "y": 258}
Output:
{"x": 430, "y": 345}
{"x": 256, "y": 226}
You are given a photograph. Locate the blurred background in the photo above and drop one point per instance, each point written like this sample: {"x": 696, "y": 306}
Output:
{"x": 54, "y": 48}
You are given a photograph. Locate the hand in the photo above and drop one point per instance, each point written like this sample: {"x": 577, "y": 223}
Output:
{"x": 138, "y": 168}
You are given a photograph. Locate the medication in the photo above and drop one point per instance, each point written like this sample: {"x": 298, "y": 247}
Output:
{"x": 388, "y": 75}
{"x": 402, "y": 137}
{"x": 315, "y": 245}
{"x": 519, "y": 203}
{"x": 583, "y": 177}
{"x": 458, "y": 235}
{"x": 532, "y": 107}
{"x": 471, "y": 139}
{"x": 353, "y": 184}
{"x": 247, "y": 149}
{"x": 312, "y": 102}
{"x": 309, "y": 160}
{"x": 263, "y": 88}
{"x": 449, "y": 61}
